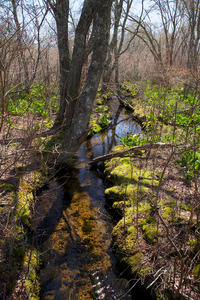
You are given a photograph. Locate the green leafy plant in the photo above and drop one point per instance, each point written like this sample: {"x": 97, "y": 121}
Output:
{"x": 34, "y": 102}
{"x": 104, "y": 121}
{"x": 95, "y": 127}
{"x": 131, "y": 141}
{"x": 190, "y": 162}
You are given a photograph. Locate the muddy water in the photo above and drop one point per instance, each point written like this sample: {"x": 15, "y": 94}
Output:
{"x": 73, "y": 229}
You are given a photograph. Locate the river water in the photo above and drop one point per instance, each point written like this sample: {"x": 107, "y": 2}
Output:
{"x": 73, "y": 228}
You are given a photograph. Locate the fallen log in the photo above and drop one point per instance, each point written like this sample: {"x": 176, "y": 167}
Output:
{"x": 129, "y": 151}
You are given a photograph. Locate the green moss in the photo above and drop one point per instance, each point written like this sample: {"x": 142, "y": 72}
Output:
{"x": 25, "y": 186}
{"x": 38, "y": 141}
{"x": 115, "y": 191}
{"x": 150, "y": 233}
{"x": 196, "y": 271}
{"x": 121, "y": 205}
{"x": 135, "y": 261}
{"x": 119, "y": 229}
{"x": 108, "y": 95}
{"x": 143, "y": 207}
{"x": 135, "y": 192}
{"x": 128, "y": 245}
{"x": 55, "y": 140}
{"x": 6, "y": 188}
{"x": 24, "y": 201}
{"x": 131, "y": 230}
{"x": 99, "y": 101}
{"x": 147, "y": 220}
{"x": 118, "y": 148}
{"x": 48, "y": 124}
{"x": 192, "y": 242}
{"x": 109, "y": 165}
{"x": 185, "y": 207}
{"x": 145, "y": 271}
{"x": 138, "y": 110}
{"x": 170, "y": 203}
{"x": 169, "y": 213}
{"x": 131, "y": 192}
{"x": 125, "y": 160}
{"x": 31, "y": 263}
{"x": 123, "y": 171}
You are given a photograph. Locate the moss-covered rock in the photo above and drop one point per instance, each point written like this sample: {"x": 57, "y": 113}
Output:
{"x": 130, "y": 192}
{"x": 23, "y": 209}
{"x": 124, "y": 170}
{"x": 132, "y": 197}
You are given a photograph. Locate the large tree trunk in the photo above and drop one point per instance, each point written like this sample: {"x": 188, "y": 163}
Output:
{"x": 61, "y": 14}
{"x": 73, "y": 87}
{"x": 85, "y": 102}
{"x": 71, "y": 69}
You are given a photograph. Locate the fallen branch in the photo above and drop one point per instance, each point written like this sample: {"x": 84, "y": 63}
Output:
{"x": 124, "y": 103}
{"x": 129, "y": 151}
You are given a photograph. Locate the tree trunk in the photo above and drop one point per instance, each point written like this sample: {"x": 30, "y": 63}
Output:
{"x": 78, "y": 58}
{"x": 71, "y": 69}
{"x": 19, "y": 32}
{"x": 61, "y": 14}
{"x": 85, "y": 102}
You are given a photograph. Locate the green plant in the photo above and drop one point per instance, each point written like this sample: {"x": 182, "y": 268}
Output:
{"x": 190, "y": 162}
{"x": 131, "y": 141}
{"x": 95, "y": 127}
{"x": 34, "y": 102}
{"x": 104, "y": 121}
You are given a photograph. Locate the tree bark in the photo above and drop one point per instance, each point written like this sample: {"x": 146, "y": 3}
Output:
{"x": 84, "y": 104}
{"x": 71, "y": 68}
{"x": 61, "y": 14}
{"x": 78, "y": 58}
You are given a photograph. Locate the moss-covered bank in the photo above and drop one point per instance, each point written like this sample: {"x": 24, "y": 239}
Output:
{"x": 143, "y": 236}
{"x": 20, "y": 260}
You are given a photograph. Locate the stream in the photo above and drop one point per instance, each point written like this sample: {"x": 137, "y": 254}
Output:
{"x": 73, "y": 228}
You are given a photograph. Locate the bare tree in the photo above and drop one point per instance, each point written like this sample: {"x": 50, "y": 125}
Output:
{"x": 164, "y": 44}
{"x": 117, "y": 46}
{"x": 192, "y": 13}
{"x": 19, "y": 49}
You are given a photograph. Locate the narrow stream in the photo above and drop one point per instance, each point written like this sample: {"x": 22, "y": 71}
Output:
{"x": 73, "y": 228}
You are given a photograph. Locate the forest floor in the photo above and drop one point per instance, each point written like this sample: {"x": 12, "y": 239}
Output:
{"x": 21, "y": 162}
